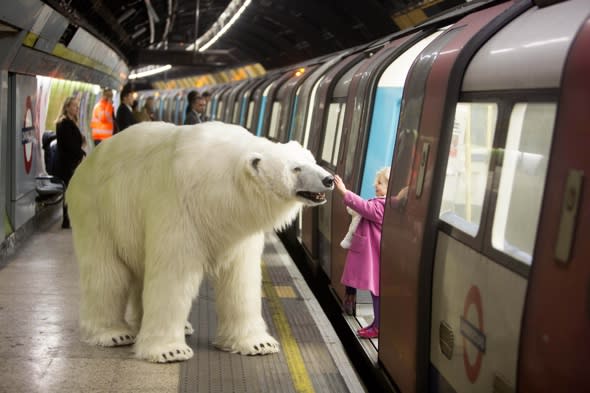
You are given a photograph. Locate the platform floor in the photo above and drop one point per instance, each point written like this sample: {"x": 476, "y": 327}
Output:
{"x": 40, "y": 349}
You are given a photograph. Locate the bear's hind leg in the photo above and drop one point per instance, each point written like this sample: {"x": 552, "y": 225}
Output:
{"x": 104, "y": 282}
{"x": 241, "y": 328}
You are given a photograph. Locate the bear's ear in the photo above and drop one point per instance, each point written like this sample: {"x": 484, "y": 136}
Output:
{"x": 253, "y": 162}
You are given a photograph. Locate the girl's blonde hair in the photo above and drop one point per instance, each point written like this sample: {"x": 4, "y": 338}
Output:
{"x": 64, "y": 110}
{"x": 383, "y": 173}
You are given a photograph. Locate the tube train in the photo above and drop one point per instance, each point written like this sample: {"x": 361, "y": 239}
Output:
{"x": 480, "y": 112}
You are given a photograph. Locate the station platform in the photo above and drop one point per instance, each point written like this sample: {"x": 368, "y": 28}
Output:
{"x": 41, "y": 350}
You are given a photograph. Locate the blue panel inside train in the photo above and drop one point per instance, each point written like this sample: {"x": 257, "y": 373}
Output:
{"x": 243, "y": 110}
{"x": 261, "y": 116}
{"x": 381, "y": 136}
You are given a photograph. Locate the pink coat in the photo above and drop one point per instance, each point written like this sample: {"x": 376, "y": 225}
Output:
{"x": 361, "y": 270}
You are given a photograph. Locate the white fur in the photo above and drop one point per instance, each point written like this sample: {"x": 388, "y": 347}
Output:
{"x": 354, "y": 223}
{"x": 158, "y": 206}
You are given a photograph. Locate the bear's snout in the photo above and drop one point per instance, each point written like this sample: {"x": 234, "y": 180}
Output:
{"x": 328, "y": 181}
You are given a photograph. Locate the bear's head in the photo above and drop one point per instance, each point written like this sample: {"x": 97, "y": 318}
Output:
{"x": 290, "y": 172}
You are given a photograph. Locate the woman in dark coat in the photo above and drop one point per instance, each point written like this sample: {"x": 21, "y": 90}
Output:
{"x": 69, "y": 146}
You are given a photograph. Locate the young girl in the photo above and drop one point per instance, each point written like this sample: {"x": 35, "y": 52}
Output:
{"x": 361, "y": 270}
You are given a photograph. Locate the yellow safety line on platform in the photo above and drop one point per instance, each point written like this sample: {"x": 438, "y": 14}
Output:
{"x": 290, "y": 348}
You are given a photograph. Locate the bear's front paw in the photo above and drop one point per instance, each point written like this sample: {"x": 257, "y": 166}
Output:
{"x": 165, "y": 353}
{"x": 263, "y": 344}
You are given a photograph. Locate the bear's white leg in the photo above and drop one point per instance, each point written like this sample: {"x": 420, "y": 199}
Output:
{"x": 134, "y": 311}
{"x": 104, "y": 284}
{"x": 167, "y": 298}
{"x": 241, "y": 328}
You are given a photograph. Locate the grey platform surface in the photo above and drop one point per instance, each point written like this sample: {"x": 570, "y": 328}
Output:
{"x": 40, "y": 348}
{"x": 311, "y": 358}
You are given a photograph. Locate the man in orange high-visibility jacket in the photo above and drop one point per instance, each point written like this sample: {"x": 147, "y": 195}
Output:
{"x": 102, "y": 123}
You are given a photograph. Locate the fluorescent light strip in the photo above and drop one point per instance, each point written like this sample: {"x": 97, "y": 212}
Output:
{"x": 226, "y": 27}
{"x": 149, "y": 72}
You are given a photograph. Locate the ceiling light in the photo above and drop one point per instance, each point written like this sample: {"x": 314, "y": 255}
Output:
{"x": 147, "y": 71}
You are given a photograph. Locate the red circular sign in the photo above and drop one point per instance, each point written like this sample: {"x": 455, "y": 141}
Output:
{"x": 473, "y": 299}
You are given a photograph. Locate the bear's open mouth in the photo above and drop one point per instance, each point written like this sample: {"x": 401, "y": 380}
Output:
{"x": 312, "y": 196}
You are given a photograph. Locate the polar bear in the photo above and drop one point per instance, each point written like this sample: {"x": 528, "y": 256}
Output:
{"x": 158, "y": 206}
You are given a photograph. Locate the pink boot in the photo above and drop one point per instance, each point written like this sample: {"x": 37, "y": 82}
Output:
{"x": 372, "y": 332}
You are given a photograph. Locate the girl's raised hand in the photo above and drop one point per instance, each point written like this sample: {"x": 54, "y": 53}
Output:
{"x": 339, "y": 185}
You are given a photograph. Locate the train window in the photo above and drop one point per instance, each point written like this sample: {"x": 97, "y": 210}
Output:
{"x": 522, "y": 181}
{"x": 467, "y": 167}
{"x": 236, "y": 113}
{"x": 311, "y": 111}
{"x": 275, "y": 116}
{"x": 250, "y": 115}
{"x": 333, "y": 132}
{"x": 219, "y": 115}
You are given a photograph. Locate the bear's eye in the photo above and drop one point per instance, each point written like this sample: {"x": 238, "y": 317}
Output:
{"x": 297, "y": 169}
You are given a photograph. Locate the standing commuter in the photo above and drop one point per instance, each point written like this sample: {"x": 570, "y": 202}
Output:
{"x": 70, "y": 142}
{"x": 195, "y": 111}
{"x": 147, "y": 112}
{"x": 124, "y": 116}
{"x": 361, "y": 270}
{"x": 102, "y": 123}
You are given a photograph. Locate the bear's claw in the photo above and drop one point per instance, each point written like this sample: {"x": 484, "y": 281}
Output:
{"x": 254, "y": 346}
{"x": 110, "y": 338}
{"x": 126, "y": 339}
{"x": 264, "y": 348}
{"x": 165, "y": 353}
{"x": 175, "y": 356}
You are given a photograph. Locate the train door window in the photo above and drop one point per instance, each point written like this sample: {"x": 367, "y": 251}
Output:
{"x": 294, "y": 114}
{"x": 250, "y": 116}
{"x": 236, "y": 113}
{"x": 273, "y": 130}
{"x": 522, "y": 181}
{"x": 467, "y": 166}
{"x": 209, "y": 107}
{"x": 219, "y": 115}
{"x": 333, "y": 133}
{"x": 310, "y": 112}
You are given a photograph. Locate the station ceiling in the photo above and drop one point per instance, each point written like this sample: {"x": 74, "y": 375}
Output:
{"x": 273, "y": 33}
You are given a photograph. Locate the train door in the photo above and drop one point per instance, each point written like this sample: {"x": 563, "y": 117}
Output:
{"x": 299, "y": 128}
{"x": 222, "y": 102}
{"x": 232, "y": 101}
{"x": 158, "y": 106}
{"x": 257, "y": 103}
{"x": 177, "y": 111}
{"x": 315, "y": 127}
{"x": 269, "y": 106}
{"x": 182, "y": 103}
{"x": 213, "y": 106}
{"x": 289, "y": 99}
{"x": 555, "y": 334}
{"x": 409, "y": 230}
{"x": 328, "y": 158}
{"x": 247, "y": 103}
{"x": 241, "y": 100}
{"x": 492, "y": 199}
{"x": 370, "y": 130}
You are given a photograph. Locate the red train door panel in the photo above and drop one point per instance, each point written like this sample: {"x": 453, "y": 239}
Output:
{"x": 555, "y": 338}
